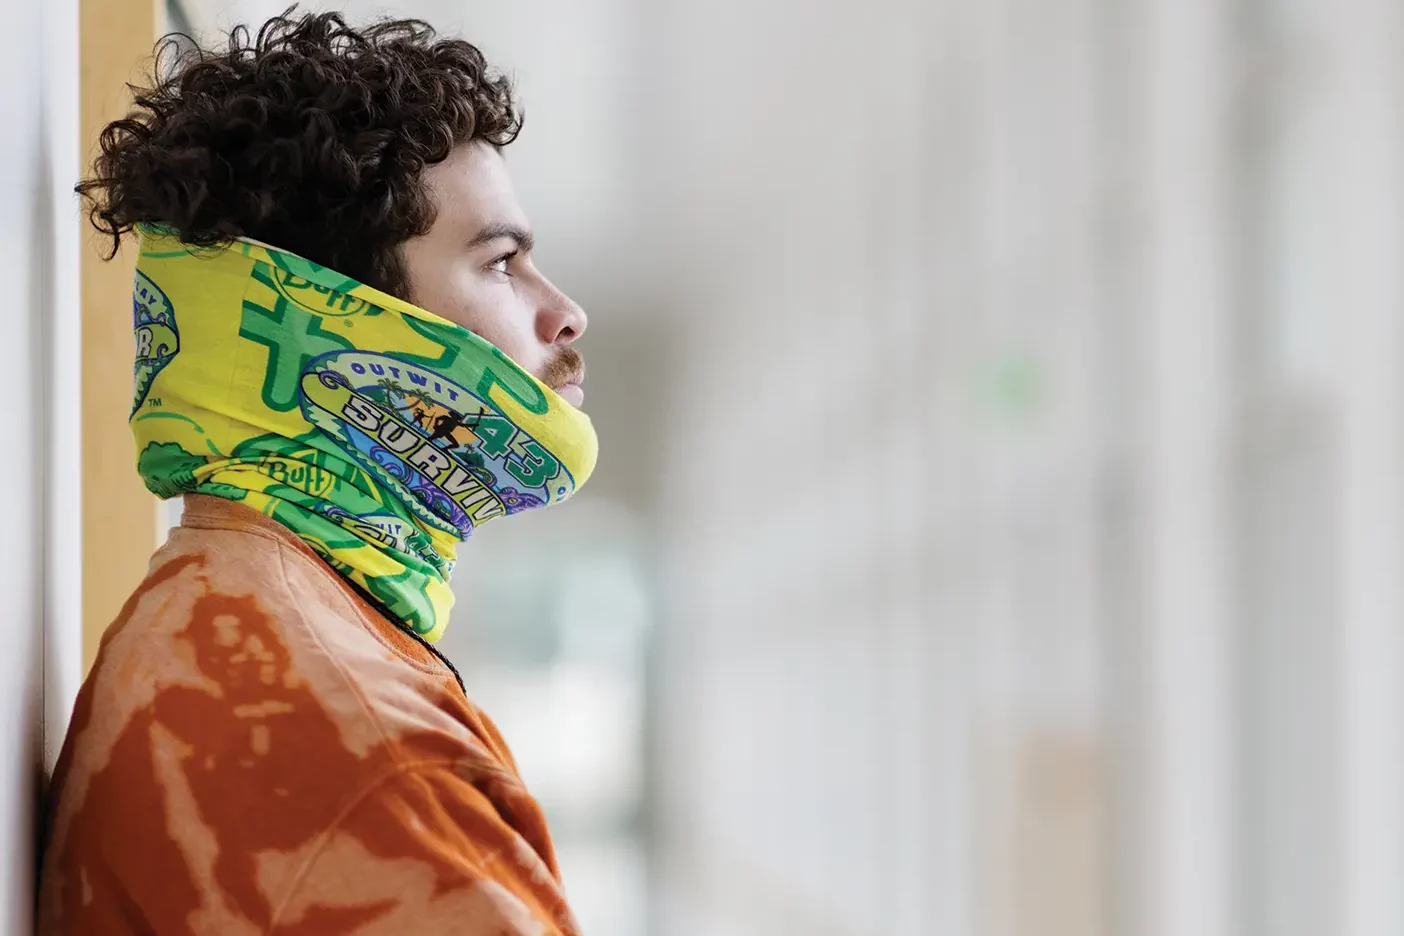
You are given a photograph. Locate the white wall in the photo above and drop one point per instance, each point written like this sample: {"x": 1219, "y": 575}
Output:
{"x": 884, "y": 691}
{"x": 39, "y": 575}
{"x": 1033, "y": 519}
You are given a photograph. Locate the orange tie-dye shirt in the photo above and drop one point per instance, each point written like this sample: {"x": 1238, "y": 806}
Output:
{"x": 258, "y": 751}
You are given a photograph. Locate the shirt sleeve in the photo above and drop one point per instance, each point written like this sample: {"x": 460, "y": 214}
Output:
{"x": 424, "y": 852}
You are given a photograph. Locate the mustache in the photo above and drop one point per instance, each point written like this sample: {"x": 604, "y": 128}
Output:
{"x": 566, "y": 367}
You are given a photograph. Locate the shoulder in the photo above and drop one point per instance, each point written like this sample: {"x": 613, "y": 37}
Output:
{"x": 244, "y": 657}
{"x": 250, "y": 620}
{"x": 239, "y": 707}
{"x": 220, "y": 671}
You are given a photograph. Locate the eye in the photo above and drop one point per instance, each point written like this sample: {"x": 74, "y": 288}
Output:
{"x": 500, "y": 264}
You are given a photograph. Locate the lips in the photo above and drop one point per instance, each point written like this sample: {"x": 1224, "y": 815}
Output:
{"x": 565, "y": 374}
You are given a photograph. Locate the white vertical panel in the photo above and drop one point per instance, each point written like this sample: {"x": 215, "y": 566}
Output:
{"x": 943, "y": 592}
{"x": 20, "y": 683}
{"x": 1289, "y": 688}
{"x": 1186, "y": 879}
{"x": 1366, "y": 47}
{"x": 36, "y": 267}
{"x": 60, "y": 321}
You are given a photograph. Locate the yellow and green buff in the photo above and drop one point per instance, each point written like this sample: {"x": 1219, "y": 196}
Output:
{"x": 379, "y": 433}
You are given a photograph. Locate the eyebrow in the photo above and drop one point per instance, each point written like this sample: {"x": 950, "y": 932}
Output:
{"x": 492, "y": 232}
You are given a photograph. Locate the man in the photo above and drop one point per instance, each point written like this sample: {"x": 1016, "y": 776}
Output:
{"x": 268, "y": 742}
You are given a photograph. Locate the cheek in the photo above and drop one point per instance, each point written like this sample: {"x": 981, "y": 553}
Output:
{"x": 504, "y": 334}
{"x": 449, "y": 290}
{"x": 491, "y": 310}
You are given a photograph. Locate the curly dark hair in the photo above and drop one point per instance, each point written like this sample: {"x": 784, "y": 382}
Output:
{"x": 312, "y": 136}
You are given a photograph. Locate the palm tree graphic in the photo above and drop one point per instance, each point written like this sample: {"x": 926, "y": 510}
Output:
{"x": 392, "y": 389}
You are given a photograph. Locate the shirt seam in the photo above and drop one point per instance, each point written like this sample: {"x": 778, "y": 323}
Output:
{"x": 284, "y": 551}
{"x": 351, "y": 683}
{"x": 390, "y": 773}
{"x": 366, "y": 708}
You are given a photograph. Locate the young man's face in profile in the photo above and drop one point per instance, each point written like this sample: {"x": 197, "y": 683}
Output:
{"x": 475, "y": 268}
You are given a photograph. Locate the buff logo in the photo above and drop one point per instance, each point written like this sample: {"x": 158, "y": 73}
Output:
{"x": 318, "y": 298}
{"x": 459, "y": 457}
{"x": 155, "y": 333}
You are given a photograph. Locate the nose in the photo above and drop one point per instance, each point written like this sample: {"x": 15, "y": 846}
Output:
{"x": 560, "y": 319}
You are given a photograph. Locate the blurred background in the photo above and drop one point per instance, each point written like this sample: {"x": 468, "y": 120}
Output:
{"x": 998, "y": 525}
{"x": 999, "y": 528}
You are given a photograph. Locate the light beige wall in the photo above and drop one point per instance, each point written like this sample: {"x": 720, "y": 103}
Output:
{"x": 120, "y": 519}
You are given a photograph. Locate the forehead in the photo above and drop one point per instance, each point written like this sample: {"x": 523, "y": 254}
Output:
{"x": 473, "y": 189}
